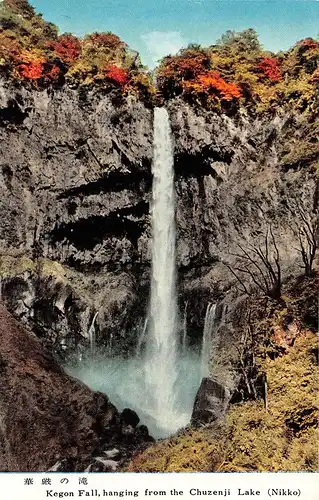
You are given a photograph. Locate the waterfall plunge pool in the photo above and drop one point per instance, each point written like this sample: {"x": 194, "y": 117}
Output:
{"x": 125, "y": 383}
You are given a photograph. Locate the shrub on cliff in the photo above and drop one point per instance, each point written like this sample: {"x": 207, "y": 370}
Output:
{"x": 236, "y": 70}
{"x": 31, "y": 50}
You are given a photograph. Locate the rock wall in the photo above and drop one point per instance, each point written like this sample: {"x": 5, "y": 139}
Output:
{"x": 75, "y": 194}
{"x": 75, "y": 184}
{"x": 235, "y": 182}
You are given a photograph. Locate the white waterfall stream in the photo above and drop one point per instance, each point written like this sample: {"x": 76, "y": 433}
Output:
{"x": 184, "y": 331}
{"x": 210, "y": 321}
{"x": 92, "y": 334}
{"x": 161, "y": 368}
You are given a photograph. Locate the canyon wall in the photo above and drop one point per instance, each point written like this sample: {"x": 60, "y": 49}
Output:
{"x": 75, "y": 186}
{"x": 75, "y": 198}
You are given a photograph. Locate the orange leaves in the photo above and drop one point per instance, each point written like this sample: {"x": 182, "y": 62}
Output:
{"x": 117, "y": 75}
{"x": 32, "y": 65}
{"x": 213, "y": 82}
{"x": 190, "y": 74}
{"x": 31, "y": 71}
{"x": 67, "y": 48}
{"x": 270, "y": 68}
{"x": 213, "y": 88}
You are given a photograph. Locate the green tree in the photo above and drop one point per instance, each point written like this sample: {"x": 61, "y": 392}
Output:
{"x": 241, "y": 41}
{"x": 20, "y": 7}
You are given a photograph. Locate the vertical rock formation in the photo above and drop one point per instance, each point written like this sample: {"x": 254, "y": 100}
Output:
{"x": 75, "y": 181}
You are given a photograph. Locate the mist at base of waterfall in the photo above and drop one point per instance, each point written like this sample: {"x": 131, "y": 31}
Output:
{"x": 123, "y": 381}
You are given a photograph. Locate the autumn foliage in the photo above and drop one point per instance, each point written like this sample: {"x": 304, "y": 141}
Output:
{"x": 31, "y": 50}
{"x": 233, "y": 72}
{"x": 212, "y": 81}
{"x": 270, "y": 68}
{"x": 117, "y": 75}
{"x": 67, "y": 48}
{"x": 236, "y": 71}
{"x": 31, "y": 71}
{"x": 309, "y": 43}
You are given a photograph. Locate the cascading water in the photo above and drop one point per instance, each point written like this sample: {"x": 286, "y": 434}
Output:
{"x": 160, "y": 382}
{"x": 141, "y": 338}
{"x": 161, "y": 369}
{"x": 92, "y": 334}
{"x": 184, "y": 338}
{"x": 210, "y": 323}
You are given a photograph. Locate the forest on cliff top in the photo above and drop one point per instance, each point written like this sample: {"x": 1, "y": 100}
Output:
{"x": 235, "y": 71}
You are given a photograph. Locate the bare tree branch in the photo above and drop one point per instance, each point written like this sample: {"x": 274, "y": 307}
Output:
{"x": 261, "y": 264}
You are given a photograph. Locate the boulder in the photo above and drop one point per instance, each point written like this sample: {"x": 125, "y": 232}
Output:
{"x": 130, "y": 417}
{"x": 211, "y": 402}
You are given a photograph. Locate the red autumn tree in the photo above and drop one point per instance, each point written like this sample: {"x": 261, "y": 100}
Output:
{"x": 185, "y": 66}
{"x": 270, "y": 68}
{"x": 32, "y": 64}
{"x": 117, "y": 75}
{"x": 67, "y": 48}
{"x": 32, "y": 70}
{"x": 175, "y": 71}
{"x": 52, "y": 74}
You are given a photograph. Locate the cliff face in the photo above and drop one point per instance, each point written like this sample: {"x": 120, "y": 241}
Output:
{"x": 75, "y": 193}
{"x": 246, "y": 196}
{"x": 75, "y": 182}
{"x": 235, "y": 177}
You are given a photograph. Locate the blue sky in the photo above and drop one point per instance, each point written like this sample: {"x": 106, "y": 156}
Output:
{"x": 158, "y": 27}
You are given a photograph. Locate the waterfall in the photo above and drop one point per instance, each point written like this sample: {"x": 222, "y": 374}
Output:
{"x": 162, "y": 343}
{"x": 210, "y": 323}
{"x": 161, "y": 379}
{"x": 92, "y": 334}
{"x": 184, "y": 338}
{"x": 141, "y": 338}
